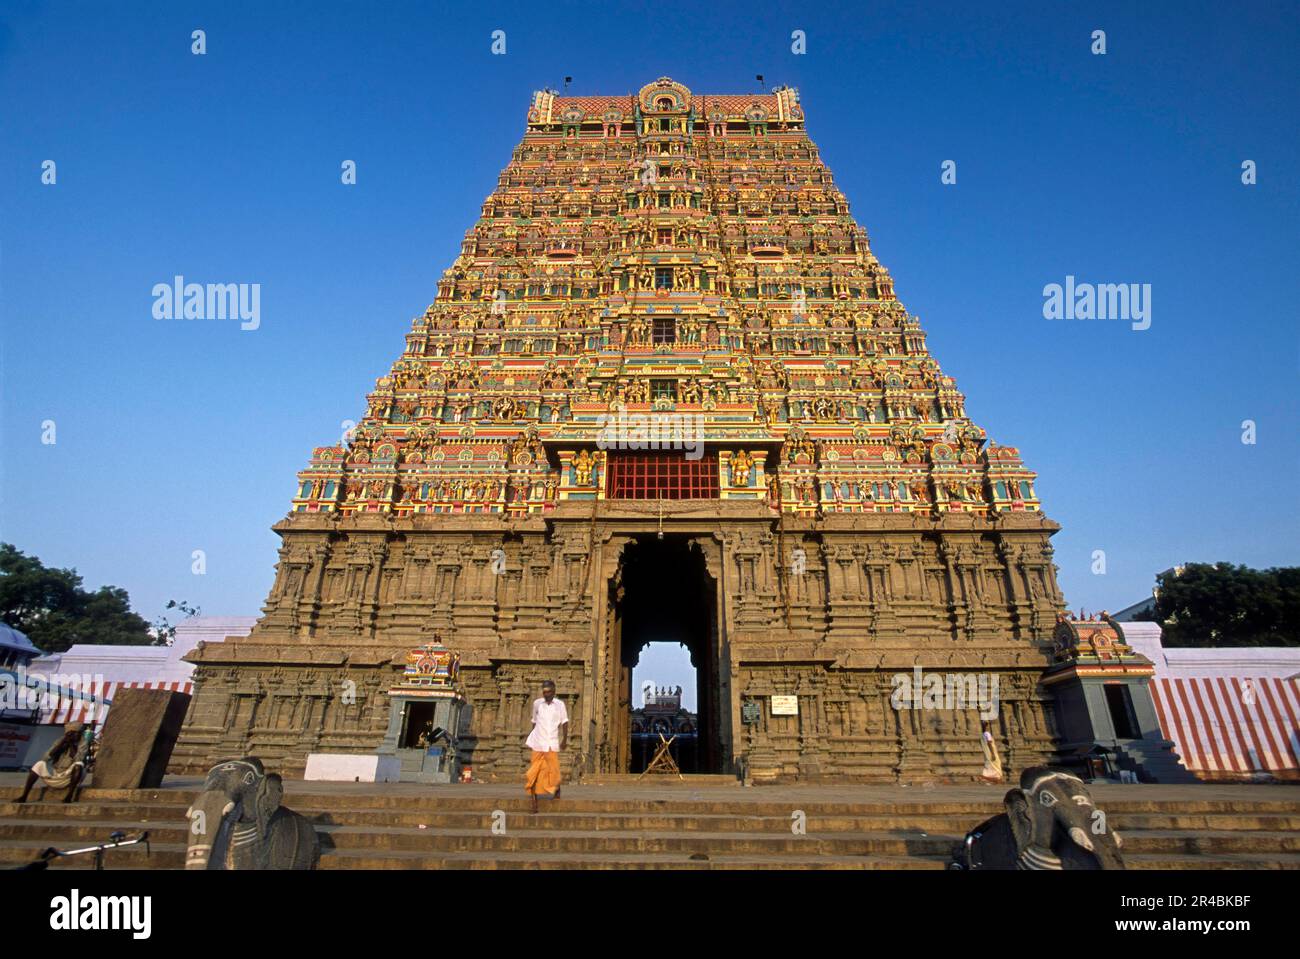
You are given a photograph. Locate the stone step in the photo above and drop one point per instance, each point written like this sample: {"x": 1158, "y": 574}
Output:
{"x": 750, "y": 801}
{"x": 172, "y": 856}
{"x": 857, "y": 844}
{"x": 619, "y": 844}
{"x": 692, "y": 780}
{"x": 346, "y": 837}
{"x": 645, "y": 860}
{"x": 556, "y": 818}
{"x": 1166, "y": 862}
{"x": 1254, "y": 842}
{"x": 14, "y": 853}
{"x": 624, "y": 826}
{"x": 518, "y": 802}
{"x": 516, "y": 861}
{"x": 531, "y": 837}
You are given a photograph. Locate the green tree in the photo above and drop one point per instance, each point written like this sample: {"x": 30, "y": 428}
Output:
{"x": 53, "y": 609}
{"x": 1219, "y": 604}
{"x": 164, "y": 629}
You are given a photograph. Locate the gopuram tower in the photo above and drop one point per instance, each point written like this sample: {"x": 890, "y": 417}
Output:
{"x": 665, "y": 392}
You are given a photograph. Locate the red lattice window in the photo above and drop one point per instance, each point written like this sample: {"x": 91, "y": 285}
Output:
{"x": 661, "y": 476}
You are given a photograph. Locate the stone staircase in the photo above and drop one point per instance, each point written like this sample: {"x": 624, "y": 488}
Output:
{"x": 1151, "y": 761}
{"x": 702, "y": 826}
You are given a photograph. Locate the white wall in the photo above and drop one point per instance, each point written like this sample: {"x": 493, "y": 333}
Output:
{"x": 145, "y": 664}
{"x": 1272, "y": 662}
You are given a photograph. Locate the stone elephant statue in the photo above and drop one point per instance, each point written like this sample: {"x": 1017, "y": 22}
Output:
{"x": 1051, "y": 823}
{"x": 237, "y": 822}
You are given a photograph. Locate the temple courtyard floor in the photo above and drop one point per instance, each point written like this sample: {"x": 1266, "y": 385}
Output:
{"x": 700, "y": 823}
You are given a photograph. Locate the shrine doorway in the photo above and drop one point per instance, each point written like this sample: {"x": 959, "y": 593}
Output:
{"x": 417, "y": 719}
{"x": 664, "y": 594}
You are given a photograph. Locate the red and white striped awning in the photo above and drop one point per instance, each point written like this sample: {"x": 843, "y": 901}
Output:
{"x": 94, "y": 701}
{"x": 1231, "y": 724}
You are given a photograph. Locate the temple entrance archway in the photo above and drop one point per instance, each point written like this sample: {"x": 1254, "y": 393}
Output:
{"x": 664, "y": 593}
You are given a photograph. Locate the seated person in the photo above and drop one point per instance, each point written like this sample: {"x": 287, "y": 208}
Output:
{"x": 64, "y": 765}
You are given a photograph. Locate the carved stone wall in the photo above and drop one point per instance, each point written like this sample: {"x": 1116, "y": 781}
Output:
{"x": 871, "y": 597}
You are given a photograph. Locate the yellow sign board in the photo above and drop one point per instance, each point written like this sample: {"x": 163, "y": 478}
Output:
{"x": 785, "y": 705}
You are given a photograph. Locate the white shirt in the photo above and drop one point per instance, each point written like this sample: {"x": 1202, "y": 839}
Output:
{"x": 547, "y": 720}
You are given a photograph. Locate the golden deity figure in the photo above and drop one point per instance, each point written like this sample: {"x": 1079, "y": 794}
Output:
{"x": 582, "y": 467}
{"x": 741, "y": 465}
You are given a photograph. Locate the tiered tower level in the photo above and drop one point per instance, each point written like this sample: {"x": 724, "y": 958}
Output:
{"x": 648, "y": 266}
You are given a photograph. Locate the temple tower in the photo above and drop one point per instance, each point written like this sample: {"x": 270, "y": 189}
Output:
{"x": 666, "y": 389}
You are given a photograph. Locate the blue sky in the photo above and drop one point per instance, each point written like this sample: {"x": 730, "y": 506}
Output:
{"x": 1122, "y": 168}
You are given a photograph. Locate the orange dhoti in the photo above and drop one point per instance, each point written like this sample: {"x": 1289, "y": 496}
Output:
{"x": 543, "y": 773}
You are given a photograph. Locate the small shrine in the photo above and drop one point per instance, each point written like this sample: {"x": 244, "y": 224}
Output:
{"x": 1107, "y": 716}
{"x": 424, "y": 717}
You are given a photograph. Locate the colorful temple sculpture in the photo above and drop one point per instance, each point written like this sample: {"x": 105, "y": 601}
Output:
{"x": 666, "y": 391}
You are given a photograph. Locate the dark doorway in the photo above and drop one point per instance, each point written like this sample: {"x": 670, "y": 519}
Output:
{"x": 665, "y": 595}
{"x": 1121, "y": 711}
{"x": 419, "y": 719}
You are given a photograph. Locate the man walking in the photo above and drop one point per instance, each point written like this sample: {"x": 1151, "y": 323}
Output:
{"x": 550, "y": 735}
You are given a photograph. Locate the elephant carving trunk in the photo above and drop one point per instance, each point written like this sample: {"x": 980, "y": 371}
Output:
{"x": 209, "y": 830}
{"x": 1051, "y": 824}
{"x": 237, "y": 822}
